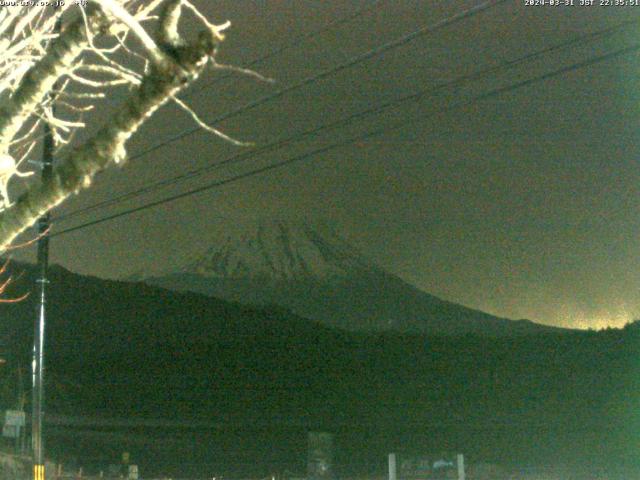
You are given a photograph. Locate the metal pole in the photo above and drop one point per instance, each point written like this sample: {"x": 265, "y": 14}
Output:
{"x": 460, "y": 461}
{"x": 40, "y": 322}
{"x": 392, "y": 467}
{"x": 39, "y": 330}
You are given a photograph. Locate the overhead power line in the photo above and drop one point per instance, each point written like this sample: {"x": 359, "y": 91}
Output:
{"x": 278, "y": 144}
{"x": 374, "y": 52}
{"x": 380, "y": 131}
{"x": 296, "y": 41}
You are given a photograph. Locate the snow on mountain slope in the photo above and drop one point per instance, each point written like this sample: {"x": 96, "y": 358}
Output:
{"x": 278, "y": 251}
{"x": 315, "y": 273}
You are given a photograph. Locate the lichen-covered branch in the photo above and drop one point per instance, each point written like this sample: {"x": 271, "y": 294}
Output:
{"x": 114, "y": 8}
{"x": 75, "y": 171}
{"x": 40, "y": 79}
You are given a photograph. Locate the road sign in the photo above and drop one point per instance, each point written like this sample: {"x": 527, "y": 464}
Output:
{"x": 14, "y": 418}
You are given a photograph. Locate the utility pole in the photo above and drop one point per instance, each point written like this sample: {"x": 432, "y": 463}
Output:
{"x": 37, "y": 403}
{"x": 39, "y": 327}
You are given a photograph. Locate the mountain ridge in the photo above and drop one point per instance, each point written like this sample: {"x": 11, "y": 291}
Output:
{"x": 317, "y": 274}
{"x": 279, "y": 251}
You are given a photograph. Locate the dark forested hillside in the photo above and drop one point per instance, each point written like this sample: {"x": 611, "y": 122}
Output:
{"x": 127, "y": 350}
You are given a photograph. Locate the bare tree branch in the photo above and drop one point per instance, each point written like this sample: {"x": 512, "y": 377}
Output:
{"x": 4, "y": 284}
{"x": 180, "y": 65}
{"x": 41, "y": 78}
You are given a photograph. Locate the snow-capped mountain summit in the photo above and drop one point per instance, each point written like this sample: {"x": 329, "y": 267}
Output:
{"x": 312, "y": 271}
{"x": 279, "y": 251}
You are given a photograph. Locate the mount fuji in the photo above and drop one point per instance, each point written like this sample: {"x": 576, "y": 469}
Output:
{"x": 314, "y": 272}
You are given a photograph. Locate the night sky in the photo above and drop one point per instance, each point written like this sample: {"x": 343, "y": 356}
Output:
{"x": 524, "y": 204}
